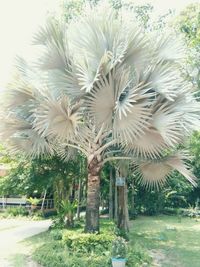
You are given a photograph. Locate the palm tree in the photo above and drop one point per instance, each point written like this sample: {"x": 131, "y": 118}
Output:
{"x": 102, "y": 86}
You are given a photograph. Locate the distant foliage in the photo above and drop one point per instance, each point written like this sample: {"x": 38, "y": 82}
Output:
{"x": 17, "y": 211}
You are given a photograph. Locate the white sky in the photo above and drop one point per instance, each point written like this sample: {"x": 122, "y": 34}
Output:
{"x": 20, "y": 18}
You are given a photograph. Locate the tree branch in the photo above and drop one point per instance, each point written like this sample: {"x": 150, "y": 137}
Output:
{"x": 99, "y": 133}
{"x": 101, "y": 149}
{"x": 79, "y": 148}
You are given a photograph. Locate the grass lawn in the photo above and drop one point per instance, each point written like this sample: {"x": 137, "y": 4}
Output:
{"x": 173, "y": 243}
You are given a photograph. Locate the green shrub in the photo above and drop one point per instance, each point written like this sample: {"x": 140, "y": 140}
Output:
{"x": 57, "y": 223}
{"x": 122, "y": 233}
{"x": 137, "y": 257}
{"x": 77, "y": 249}
{"x": 17, "y": 211}
{"x": 56, "y": 234}
{"x": 119, "y": 248}
{"x": 82, "y": 242}
{"x": 54, "y": 254}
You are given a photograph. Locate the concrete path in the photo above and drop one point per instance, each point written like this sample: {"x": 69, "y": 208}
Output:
{"x": 12, "y": 232}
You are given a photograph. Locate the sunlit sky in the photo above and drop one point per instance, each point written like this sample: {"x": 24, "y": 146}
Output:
{"x": 19, "y": 19}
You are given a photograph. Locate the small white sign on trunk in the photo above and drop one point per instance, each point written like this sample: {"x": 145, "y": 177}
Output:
{"x": 120, "y": 181}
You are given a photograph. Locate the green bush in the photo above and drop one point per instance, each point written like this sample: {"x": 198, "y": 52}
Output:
{"x": 57, "y": 223}
{"x": 137, "y": 257}
{"x": 56, "y": 234}
{"x": 82, "y": 242}
{"x": 17, "y": 211}
{"x": 55, "y": 255}
{"x": 119, "y": 248}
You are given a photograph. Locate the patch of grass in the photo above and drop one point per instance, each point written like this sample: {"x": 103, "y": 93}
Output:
{"x": 18, "y": 260}
{"x": 179, "y": 241}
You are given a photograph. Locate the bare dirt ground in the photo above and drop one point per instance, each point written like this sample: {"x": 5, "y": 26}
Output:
{"x": 12, "y": 232}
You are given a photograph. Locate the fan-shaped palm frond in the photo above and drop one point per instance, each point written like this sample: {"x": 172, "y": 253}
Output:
{"x": 64, "y": 83}
{"x": 189, "y": 109}
{"x": 30, "y": 143}
{"x": 100, "y": 51}
{"x": 167, "y": 122}
{"x": 129, "y": 127}
{"x": 65, "y": 152}
{"x": 137, "y": 53}
{"x": 168, "y": 46}
{"x": 149, "y": 144}
{"x": 53, "y": 43}
{"x": 115, "y": 100}
{"x": 155, "y": 174}
{"x": 56, "y": 118}
{"x": 19, "y": 95}
{"x": 164, "y": 78}
{"x": 101, "y": 101}
{"x": 12, "y": 125}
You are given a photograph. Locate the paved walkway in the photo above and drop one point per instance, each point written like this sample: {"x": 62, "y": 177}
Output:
{"x": 12, "y": 232}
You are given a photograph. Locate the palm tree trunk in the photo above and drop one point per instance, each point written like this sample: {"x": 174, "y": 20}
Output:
{"x": 93, "y": 196}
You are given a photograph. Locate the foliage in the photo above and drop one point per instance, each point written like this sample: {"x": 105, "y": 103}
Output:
{"x": 56, "y": 234}
{"x": 33, "y": 177}
{"x": 70, "y": 9}
{"x": 89, "y": 243}
{"x": 189, "y": 24}
{"x": 54, "y": 255}
{"x": 17, "y": 211}
{"x": 137, "y": 256}
{"x": 52, "y": 252}
{"x": 5, "y": 158}
{"x": 57, "y": 223}
{"x": 119, "y": 248}
{"x": 33, "y": 201}
{"x": 66, "y": 208}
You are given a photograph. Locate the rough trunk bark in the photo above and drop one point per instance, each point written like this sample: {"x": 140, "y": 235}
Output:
{"x": 116, "y": 205}
{"x": 126, "y": 208}
{"x": 133, "y": 200}
{"x": 123, "y": 217}
{"x": 79, "y": 200}
{"x": 93, "y": 196}
{"x": 111, "y": 195}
